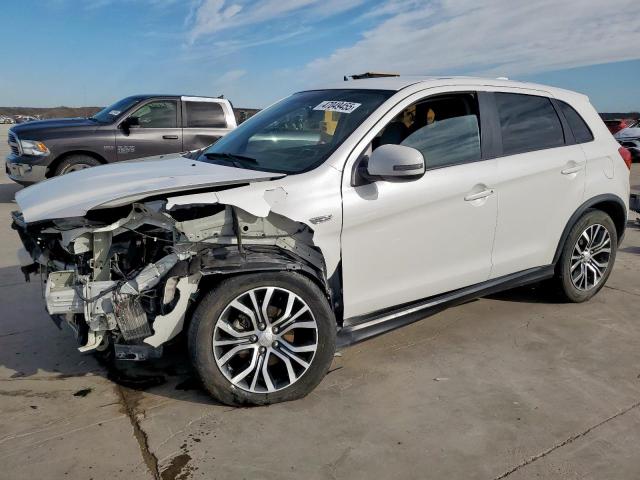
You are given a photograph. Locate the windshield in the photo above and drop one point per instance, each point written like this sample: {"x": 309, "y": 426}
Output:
{"x": 113, "y": 112}
{"x": 298, "y": 133}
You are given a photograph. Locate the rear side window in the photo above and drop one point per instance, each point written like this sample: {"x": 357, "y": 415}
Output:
{"x": 528, "y": 123}
{"x": 580, "y": 130}
{"x": 205, "y": 115}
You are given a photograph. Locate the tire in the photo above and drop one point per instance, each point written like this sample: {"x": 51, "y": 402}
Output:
{"x": 224, "y": 373}
{"x": 573, "y": 285}
{"x": 76, "y": 162}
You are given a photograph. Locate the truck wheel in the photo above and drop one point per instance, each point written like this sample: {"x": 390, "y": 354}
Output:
{"x": 76, "y": 162}
{"x": 587, "y": 257}
{"x": 263, "y": 338}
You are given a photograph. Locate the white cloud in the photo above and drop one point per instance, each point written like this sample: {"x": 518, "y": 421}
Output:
{"x": 493, "y": 37}
{"x": 214, "y": 16}
{"x": 230, "y": 77}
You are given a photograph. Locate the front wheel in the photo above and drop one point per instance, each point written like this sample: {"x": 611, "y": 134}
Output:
{"x": 588, "y": 256}
{"x": 263, "y": 338}
{"x": 75, "y": 163}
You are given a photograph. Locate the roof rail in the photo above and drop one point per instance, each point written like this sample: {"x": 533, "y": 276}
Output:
{"x": 362, "y": 76}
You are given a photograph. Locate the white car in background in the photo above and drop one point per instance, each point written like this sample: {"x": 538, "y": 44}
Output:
{"x": 334, "y": 215}
{"x": 630, "y": 139}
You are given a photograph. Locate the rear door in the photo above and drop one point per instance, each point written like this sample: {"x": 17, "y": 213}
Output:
{"x": 540, "y": 181}
{"x": 155, "y": 130}
{"x": 205, "y": 120}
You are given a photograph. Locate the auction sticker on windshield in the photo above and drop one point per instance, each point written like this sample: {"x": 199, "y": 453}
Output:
{"x": 337, "y": 106}
{"x": 114, "y": 112}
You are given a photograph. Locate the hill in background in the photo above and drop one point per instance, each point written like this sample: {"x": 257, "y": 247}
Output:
{"x": 55, "y": 112}
{"x": 613, "y": 116}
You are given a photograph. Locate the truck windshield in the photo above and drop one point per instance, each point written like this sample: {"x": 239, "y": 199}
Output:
{"x": 113, "y": 112}
{"x": 298, "y": 133}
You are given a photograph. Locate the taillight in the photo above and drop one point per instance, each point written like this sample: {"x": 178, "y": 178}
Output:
{"x": 626, "y": 156}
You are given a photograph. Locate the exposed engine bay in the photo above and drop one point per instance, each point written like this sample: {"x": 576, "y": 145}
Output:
{"x": 126, "y": 276}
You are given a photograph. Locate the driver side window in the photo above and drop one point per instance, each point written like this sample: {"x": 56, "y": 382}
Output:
{"x": 445, "y": 129}
{"x": 158, "y": 114}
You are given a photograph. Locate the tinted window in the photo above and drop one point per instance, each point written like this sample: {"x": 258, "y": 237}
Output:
{"x": 160, "y": 114}
{"x": 528, "y": 123}
{"x": 445, "y": 129}
{"x": 205, "y": 115}
{"x": 580, "y": 130}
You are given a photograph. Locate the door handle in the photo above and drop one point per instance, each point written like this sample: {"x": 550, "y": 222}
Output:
{"x": 572, "y": 167}
{"x": 170, "y": 137}
{"x": 477, "y": 196}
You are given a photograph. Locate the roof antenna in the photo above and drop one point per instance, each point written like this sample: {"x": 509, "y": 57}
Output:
{"x": 346, "y": 79}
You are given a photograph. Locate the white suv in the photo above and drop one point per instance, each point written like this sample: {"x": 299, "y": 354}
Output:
{"x": 332, "y": 216}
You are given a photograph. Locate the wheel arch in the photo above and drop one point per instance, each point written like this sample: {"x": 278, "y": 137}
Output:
{"x": 611, "y": 204}
{"x": 53, "y": 166}
{"x": 278, "y": 261}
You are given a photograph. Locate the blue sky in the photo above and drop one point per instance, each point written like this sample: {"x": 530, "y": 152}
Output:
{"x": 92, "y": 52}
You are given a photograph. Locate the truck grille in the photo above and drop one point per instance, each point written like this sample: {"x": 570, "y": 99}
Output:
{"x": 14, "y": 144}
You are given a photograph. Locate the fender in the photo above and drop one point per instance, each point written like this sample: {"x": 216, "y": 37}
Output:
{"x": 618, "y": 215}
{"x": 230, "y": 261}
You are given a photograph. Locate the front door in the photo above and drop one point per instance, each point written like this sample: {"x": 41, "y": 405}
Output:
{"x": 404, "y": 241}
{"x": 153, "y": 129}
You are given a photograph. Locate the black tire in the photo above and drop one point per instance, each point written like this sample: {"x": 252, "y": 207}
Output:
{"x": 564, "y": 283}
{"x": 212, "y": 306}
{"x": 75, "y": 162}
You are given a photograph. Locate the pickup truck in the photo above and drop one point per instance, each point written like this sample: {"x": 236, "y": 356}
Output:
{"x": 134, "y": 127}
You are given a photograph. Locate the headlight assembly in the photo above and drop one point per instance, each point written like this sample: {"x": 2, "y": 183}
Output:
{"x": 33, "y": 147}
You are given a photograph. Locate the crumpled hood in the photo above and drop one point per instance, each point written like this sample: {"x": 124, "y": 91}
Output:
{"x": 74, "y": 194}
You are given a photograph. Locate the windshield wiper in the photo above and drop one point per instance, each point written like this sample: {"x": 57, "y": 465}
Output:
{"x": 232, "y": 157}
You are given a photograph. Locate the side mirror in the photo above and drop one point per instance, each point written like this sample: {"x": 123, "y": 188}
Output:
{"x": 395, "y": 162}
{"x": 129, "y": 122}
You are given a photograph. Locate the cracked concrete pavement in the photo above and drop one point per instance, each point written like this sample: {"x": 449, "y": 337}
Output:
{"x": 512, "y": 386}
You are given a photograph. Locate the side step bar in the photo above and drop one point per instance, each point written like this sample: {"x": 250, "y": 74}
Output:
{"x": 357, "y": 329}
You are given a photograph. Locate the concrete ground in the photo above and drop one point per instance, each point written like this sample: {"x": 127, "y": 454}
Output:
{"x": 513, "y": 386}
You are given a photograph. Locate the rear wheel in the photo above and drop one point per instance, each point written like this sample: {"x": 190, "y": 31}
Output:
{"x": 587, "y": 257}
{"x": 76, "y": 162}
{"x": 262, "y": 338}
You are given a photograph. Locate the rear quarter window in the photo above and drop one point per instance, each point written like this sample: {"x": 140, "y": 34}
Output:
{"x": 578, "y": 126}
{"x": 204, "y": 115}
{"x": 528, "y": 123}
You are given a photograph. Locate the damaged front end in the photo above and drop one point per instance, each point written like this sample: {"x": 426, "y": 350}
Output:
{"x": 125, "y": 277}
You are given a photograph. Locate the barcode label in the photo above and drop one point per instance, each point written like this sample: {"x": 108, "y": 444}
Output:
{"x": 337, "y": 106}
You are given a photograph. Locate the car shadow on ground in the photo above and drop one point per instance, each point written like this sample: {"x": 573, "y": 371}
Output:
{"x": 8, "y": 192}
{"x": 543, "y": 292}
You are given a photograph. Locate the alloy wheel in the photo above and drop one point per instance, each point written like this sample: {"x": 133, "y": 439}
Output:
{"x": 265, "y": 339}
{"x": 590, "y": 257}
{"x": 75, "y": 167}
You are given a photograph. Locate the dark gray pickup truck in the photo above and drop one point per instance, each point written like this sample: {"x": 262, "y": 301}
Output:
{"x": 135, "y": 127}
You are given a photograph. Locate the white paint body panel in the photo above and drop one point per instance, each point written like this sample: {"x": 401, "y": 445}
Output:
{"x": 74, "y": 194}
{"x": 535, "y": 201}
{"x": 406, "y": 241}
